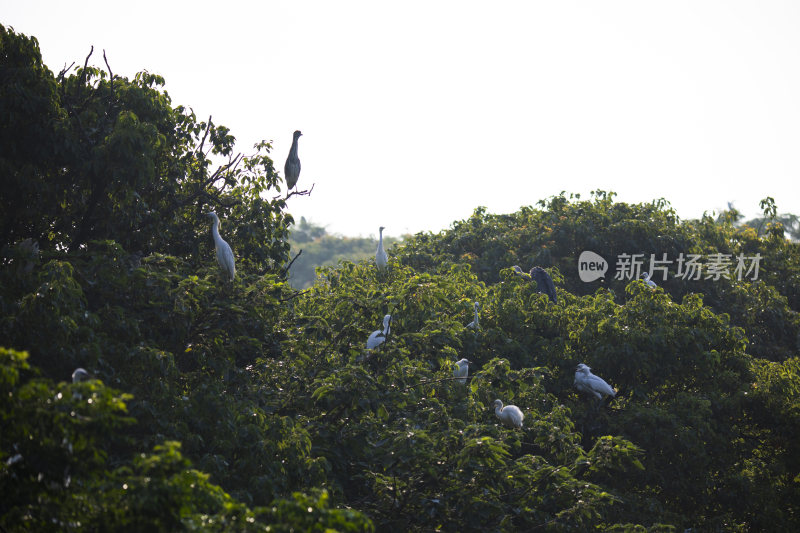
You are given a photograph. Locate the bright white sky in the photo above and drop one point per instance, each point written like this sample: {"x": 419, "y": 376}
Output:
{"x": 413, "y": 113}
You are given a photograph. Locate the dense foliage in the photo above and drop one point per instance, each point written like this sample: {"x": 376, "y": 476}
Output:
{"x": 247, "y": 405}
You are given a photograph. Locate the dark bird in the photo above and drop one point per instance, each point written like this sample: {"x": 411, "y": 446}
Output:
{"x": 291, "y": 170}
{"x": 544, "y": 283}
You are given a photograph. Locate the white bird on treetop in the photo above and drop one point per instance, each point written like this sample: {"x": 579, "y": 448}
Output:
{"x": 80, "y": 374}
{"x": 510, "y": 415}
{"x": 224, "y": 252}
{"x": 461, "y": 370}
{"x": 378, "y": 336}
{"x": 475, "y": 324}
{"x": 381, "y": 259}
{"x": 646, "y": 279}
{"x": 587, "y": 382}
{"x": 291, "y": 170}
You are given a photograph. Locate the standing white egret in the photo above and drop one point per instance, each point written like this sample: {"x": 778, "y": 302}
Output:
{"x": 461, "y": 370}
{"x": 291, "y": 170}
{"x": 378, "y": 336}
{"x": 224, "y": 252}
{"x": 510, "y": 415}
{"x": 587, "y": 382}
{"x": 381, "y": 259}
{"x": 646, "y": 279}
{"x": 79, "y": 375}
{"x": 475, "y": 324}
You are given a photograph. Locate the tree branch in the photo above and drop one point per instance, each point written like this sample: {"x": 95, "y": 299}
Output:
{"x": 85, "y": 64}
{"x": 293, "y": 296}
{"x": 231, "y": 165}
{"x": 429, "y": 381}
{"x": 203, "y": 140}
{"x": 64, "y": 71}
{"x": 286, "y": 270}
{"x": 110, "y": 74}
{"x": 299, "y": 193}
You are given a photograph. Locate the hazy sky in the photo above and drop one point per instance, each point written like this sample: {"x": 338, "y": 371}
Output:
{"x": 414, "y": 113}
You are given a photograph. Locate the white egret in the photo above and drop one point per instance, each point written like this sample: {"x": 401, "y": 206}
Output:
{"x": 544, "y": 283}
{"x": 378, "y": 336}
{"x": 461, "y": 370}
{"x": 510, "y": 415}
{"x": 224, "y": 252}
{"x": 587, "y": 382}
{"x": 291, "y": 170}
{"x": 475, "y": 324}
{"x": 381, "y": 259}
{"x": 79, "y": 375}
{"x": 646, "y": 279}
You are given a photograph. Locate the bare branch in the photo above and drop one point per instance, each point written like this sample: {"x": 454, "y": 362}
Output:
{"x": 85, "y": 64}
{"x": 294, "y": 295}
{"x": 65, "y": 70}
{"x": 297, "y": 192}
{"x": 232, "y": 164}
{"x": 203, "y": 141}
{"x": 286, "y": 270}
{"x": 110, "y": 74}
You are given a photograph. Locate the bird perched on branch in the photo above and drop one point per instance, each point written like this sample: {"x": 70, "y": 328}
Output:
{"x": 224, "y": 252}
{"x": 646, "y": 279}
{"x": 79, "y": 375}
{"x": 544, "y": 283}
{"x": 475, "y": 324}
{"x": 461, "y": 370}
{"x": 291, "y": 170}
{"x": 587, "y": 382}
{"x": 381, "y": 259}
{"x": 510, "y": 415}
{"x": 378, "y": 336}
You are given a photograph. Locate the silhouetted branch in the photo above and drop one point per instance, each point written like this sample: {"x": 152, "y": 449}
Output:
{"x": 64, "y": 71}
{"x": 298, "y": 193}
{"x": 110, "y": 74}
{"x": 231, "y": 165}
{"x": 85, "y": 64}
{"x": 293, "y": 296}
{"x": 203, "y": 140}
{"x": 286, "y": 270}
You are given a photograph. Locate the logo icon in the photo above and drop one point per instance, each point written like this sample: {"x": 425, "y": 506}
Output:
{"x": 591, "y": 266}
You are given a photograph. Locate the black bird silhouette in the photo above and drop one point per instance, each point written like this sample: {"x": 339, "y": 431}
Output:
{"x": 544, "y": 283}
{"x": 291, "y": 170}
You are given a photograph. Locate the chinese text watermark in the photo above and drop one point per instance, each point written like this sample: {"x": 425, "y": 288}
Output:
{"x": 592, "y": 266}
